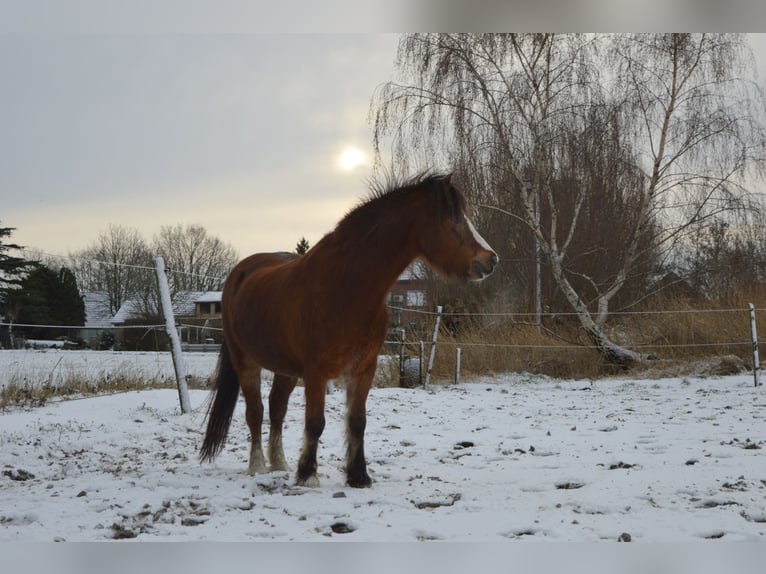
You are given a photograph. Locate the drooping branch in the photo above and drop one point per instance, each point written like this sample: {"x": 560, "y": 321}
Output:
{"x": 605, "y": 130}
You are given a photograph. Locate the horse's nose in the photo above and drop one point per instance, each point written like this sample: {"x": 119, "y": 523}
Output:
{"x": 484, "y": 268}
{"x": 493, "y": 261}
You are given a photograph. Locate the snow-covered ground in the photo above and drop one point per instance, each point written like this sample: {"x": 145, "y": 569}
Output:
{"x": 508, "y": 458}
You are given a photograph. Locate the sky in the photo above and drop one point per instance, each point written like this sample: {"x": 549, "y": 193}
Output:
{"x": 262, "y": 138}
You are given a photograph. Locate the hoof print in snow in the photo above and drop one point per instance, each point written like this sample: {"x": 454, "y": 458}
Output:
{"x": 621, "y": 465}
{"x": 519, "y": 533}
{"x": 18, "y": 475}
{"x": 624, "y": 537}
{"x": 193, "y": 520}
{"x": 740, "y": 486}
{"x": 758, "y": 518}
{"x": 464, "y": 444}
{"x": 448, "y": 500}
{"x": 121, "y": 532}
{"x": 712, "y": 503}
{"x": 746, "y": 445}
{"x": 569, "y": 485}
{"x": 341, "y": 528}
{"x": 714, "y": 535}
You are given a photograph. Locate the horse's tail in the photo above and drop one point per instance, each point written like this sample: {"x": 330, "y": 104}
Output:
{"x": 221, "y": 407}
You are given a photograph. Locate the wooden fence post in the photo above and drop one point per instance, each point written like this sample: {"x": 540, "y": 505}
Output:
{"x": 402, "y": 337}
{"x": 754, "y": 335}
{"x": 175, "y": 341}
{"x": 457, "y": 365}
{"x": 420, "y": 363}
{"x": 433, "y": 346}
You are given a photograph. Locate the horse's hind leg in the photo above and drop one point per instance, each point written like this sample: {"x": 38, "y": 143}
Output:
{"x": 281, "y": 389}
{"x": 251, "y": 389}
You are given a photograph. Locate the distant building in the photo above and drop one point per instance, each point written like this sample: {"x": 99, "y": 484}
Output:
{"x": 208, "y": 305}
{"x": 198, "y": 311}
{"x": 186, "y": 305}
{"x": 408, "y": 295}
{"x": 98, "y": 319}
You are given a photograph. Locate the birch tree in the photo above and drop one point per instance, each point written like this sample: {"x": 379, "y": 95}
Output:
{"x": 697, "y": 124}
{"x": 531, "y": 114}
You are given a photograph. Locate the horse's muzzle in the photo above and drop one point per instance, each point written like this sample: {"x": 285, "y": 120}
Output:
{"x": 482, "y": 268}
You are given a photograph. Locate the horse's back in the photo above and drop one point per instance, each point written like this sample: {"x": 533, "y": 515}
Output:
{"x": 254, "y": 263}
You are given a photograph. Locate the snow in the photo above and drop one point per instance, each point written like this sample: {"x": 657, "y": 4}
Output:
{"x": 507, "y": 458}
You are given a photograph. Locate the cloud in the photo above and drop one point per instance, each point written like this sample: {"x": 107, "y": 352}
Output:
{"x": 147, "y": 129}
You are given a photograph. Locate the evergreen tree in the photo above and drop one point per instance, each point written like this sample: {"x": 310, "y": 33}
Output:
{"x": 11, "y": 271}
{"x": 48, "y": 298}
{"x": 10, "y": 267}
{"x": 68, "y": 303}
{"x": 302, "y": 247}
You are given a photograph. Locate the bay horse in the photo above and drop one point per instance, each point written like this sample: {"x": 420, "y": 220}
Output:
{"x": 323, "y": 316}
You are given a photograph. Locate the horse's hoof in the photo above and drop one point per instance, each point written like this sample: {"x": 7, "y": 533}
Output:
{"x": 311, "y": 481}
{"x": 363, "y": 481}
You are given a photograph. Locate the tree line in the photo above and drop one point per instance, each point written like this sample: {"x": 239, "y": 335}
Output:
{"x": 630, "y": 162}
{"x": 39, "y": 289}
{"x": 120, "y": 262}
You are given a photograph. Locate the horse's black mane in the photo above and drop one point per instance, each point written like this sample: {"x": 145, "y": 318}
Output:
{"x": 392, "y": 192}
{"x": 390, "y": 183}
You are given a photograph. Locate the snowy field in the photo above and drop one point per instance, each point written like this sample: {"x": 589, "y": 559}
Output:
{"x": 509, "y": 458}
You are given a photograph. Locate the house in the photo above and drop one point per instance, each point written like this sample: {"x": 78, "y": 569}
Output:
{"x": 198, "y": 313}
{"x": 408, "y": 295}
{"x": 186, "y": 305}
{"x": 208, "y": 305}
{"x": 98, "y": 331}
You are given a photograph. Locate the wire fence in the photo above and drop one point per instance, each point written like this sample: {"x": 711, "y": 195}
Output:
{"x": 428, "y": 316}
{"x": 446, "y": 314}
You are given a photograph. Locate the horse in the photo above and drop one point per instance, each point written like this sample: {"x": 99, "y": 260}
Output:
{"x": 322, "y": 316}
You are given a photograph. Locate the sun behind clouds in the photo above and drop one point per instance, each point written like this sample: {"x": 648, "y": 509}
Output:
{"x": 351, "y": 158}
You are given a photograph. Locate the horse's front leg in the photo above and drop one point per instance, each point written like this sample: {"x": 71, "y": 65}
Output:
{"x": 281, "y": 389}
{"x": 356, "y": 421}
{"x": 315, "y": 389}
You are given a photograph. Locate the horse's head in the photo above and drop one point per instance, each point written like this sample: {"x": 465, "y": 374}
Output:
{"x": 449, "y": 241}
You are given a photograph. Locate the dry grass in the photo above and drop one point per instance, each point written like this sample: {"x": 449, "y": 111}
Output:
{"x": 681, "y": 337}
{"x": 19, "y": 393}
{"x": 513, "y": 349}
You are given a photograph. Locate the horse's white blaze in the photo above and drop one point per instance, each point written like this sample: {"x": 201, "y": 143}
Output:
{"x": 479, "y": 239}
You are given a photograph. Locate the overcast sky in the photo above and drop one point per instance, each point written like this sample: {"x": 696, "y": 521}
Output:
{"x": 243, "y": 134}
